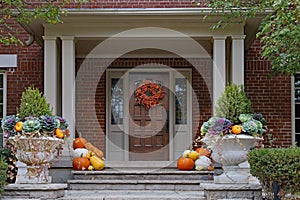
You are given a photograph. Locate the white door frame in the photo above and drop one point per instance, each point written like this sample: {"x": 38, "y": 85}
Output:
{"x": 118, "y": 73}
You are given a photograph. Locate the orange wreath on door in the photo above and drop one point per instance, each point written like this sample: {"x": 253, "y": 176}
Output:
{"x": 149, "y": 94}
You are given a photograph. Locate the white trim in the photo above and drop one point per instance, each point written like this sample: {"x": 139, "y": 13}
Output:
{"x": 125, "y": 119}
{"x": 219, "y": 68}
{"x": 50, "y": 72}
{"x": 68, "y": 82}
{"x": 4, "y": 104}
{"x": 4, "y": 94}
{"x": 171, "y": 115}
{"x": 293, "y": 110}
{"x": 237, "y": 59}
{"x": 152, "y": 11}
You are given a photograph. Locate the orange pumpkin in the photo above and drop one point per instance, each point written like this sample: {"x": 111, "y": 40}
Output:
{"x": 236, "y": 129}
{"x": 79, "y": 143}
{"x": 185, "y": 163}
{"x": 203, "y": 152}
{"x": 19, "y": 126}
{"x": 81, "y": 163}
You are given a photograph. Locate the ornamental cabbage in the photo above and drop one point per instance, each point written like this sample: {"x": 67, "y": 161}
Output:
{"x": 252, "y": 126}
{"x": 31, "y": 125}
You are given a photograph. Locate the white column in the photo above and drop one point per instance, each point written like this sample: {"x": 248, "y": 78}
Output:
{"x": 68, "y": 81}
{"x": 50, "y": 71}
{"x": 219, "y": 68}
{"x": 237, "y": 64}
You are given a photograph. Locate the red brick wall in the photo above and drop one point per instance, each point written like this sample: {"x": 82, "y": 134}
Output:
{"x": 29, "y": 70}
{"x": 85, "y": 105}
{"x": 270, "y": 96}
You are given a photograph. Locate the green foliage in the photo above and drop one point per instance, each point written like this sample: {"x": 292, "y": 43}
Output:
{"x": 9, "y": 156}
{"x": 3, "y": 170}
{"x": 23, "y": 11}
{"x": 281, "y": 165}
{"x": 279, "y": 30}
{"x": 233, "y": 102}
{"x": 33, "y": 103}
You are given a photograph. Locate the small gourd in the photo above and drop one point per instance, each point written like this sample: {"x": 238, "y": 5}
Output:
{"x": 236, "y": 129}
{"x": 89, "y": 154}
{"x": 59, "y": 133}
{"x": 194, "y": 155}
{"x": 97, "y": 162}
{"x": 186, "y": 153}
{"x": 19, "y": 126}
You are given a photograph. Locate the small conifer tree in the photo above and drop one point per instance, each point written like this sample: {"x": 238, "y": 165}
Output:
{"x": 33, "y": 103}
{"x": 233, "y": 102}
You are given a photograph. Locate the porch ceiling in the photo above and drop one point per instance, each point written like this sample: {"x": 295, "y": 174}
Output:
{"x": 103, "y": 23}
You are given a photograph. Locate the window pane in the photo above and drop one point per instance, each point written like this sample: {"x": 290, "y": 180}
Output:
{"x": 1, "y": 80}
{"x": 117, "y": 102}
{"x": 298, "y": 140}
{"x": 297, "y": 80}
{"x": 297, "y": 110}
{"x": 180, "y": 101}
{"x": 1, "y": 97}
{"x": 297, "y": 95}
{"x": 297, "y": 124}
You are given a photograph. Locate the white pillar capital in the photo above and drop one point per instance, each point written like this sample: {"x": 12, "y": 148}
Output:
{"x": 238, "y": 37}
{"x": 219, "y": 68}
{"x": 67, "y": 37}
{"x": 237, "y": 59}
{"x": 219, "y": 37}
{"x": 49, "y": 37}
{"x": 50, "y": 71}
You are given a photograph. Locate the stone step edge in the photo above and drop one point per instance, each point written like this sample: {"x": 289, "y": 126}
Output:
{"x": 138, "y": 197}
{"x": 35, "y": 187}
{"x": 135, "y": 194}
{"x": 141, "y": 172}
{"x": 108, "y": 181}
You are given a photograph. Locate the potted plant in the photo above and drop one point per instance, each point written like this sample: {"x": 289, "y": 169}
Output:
{"x": 35, "y": 134}
{"x": 232, "y": 133}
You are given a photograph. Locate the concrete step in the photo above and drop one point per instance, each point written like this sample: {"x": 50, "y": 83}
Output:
{"x": 132, "y": 195}
{"x": 34, "y": 191}
{"x": 161, "y": 174}
{"x": 176, "y": 185}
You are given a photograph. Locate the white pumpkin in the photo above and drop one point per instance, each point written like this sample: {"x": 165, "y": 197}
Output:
{"x": 202, "y": 163}
{"x": 80, "y": 152}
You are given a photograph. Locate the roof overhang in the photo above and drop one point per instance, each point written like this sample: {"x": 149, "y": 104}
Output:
{"x": 120, "y": 19}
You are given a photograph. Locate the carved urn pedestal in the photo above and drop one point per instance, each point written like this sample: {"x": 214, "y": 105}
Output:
{"x": 230, "y": 151}
{"x": 37, "y": 153}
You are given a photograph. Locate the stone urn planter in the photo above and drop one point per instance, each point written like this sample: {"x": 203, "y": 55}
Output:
{"x": 230, "y": 151}
{"x": 37, "y": 153}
